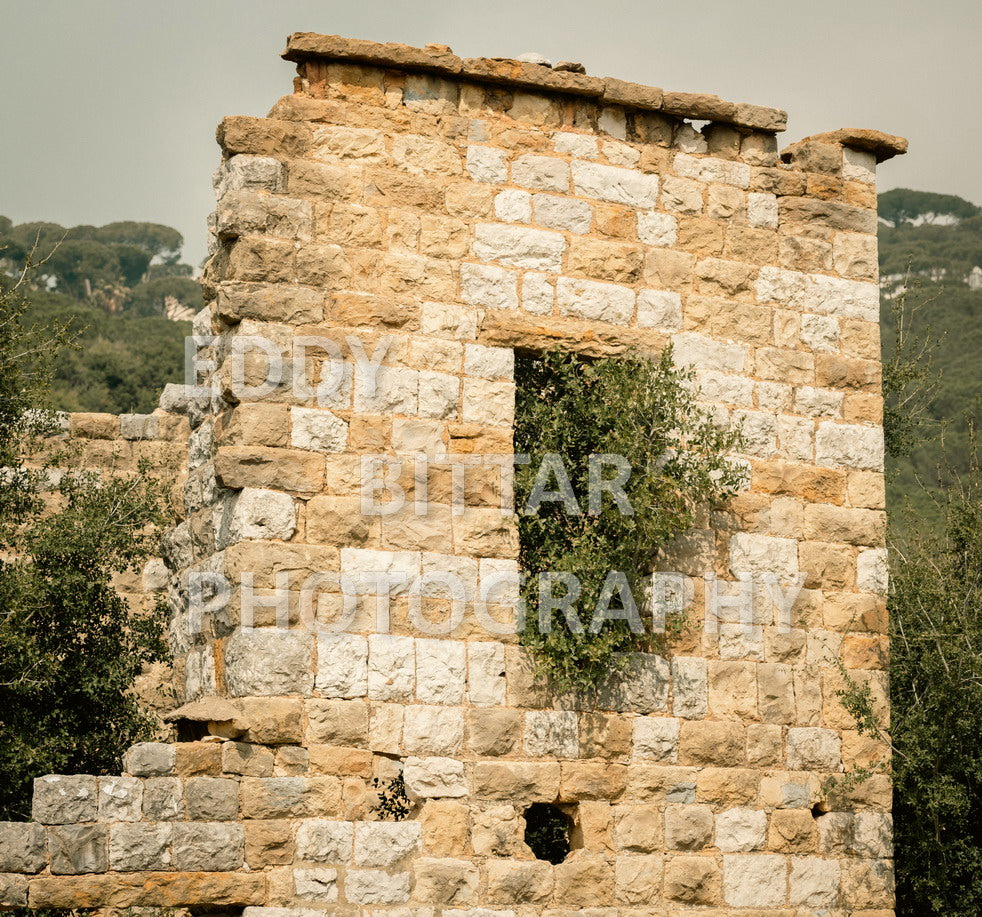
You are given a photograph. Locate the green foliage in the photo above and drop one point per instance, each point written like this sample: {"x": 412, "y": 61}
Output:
{"x": 643, "y": 411}
{"x": 936, "y": 695}
{"x": 70, "y": 647}
{"x": 393, "y": 803}
{"x": 903, "y": 204}
{"x": 148, "y": 298}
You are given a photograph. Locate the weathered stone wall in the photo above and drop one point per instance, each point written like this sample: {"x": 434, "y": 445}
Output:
{"x": 449, "y": 212}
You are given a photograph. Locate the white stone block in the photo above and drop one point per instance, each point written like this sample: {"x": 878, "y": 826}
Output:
{"x": 818, "y": 402}
{"x": 538, "y": 294}
{"x": 429, "y": 778}
{"x": 796, "y": 438}
{"x": 708, "y": 169}
{"x": 513, "y": 206}
{"x": 441, "y": 671}
{"x": 820, "y": 332}
{"x": 342, "y": 665}
{"x": 811, "y": 748}
{"x": 439, "y": 395}
{"x": 486, "y": 401}
{"x": 819, "y": 293}
{"x": 613, "y": 121}
{"x": 660, "y": 309}
{"x": 489, "y": 362}
{"x": 519, "y": 246}
{"x": 120, "y": 799}
{"x": 754, "y": 880}
{"x": 873, "y": 570}
{"x": 620, "y": 154}
{"x": 659, "y": 229}
{"x": 447, "y": 321}
{"x": 858, "y": 165}
{"x": 762, "y": 210}
{"x": 551, "y": 734}
{"x": 268, "y": 661}
{"x": 701, "y": 352}
{"x": 484, "y": 163}
{"x": 814, "y": 882}
{"x": 316, "y": 884}
{"x": 843, "y": 445}
{"x": 741, "y": 830}
{"x": 761, "y": 554}
{"x": 689, "y": 687}
{"x": 488, "y": 287}
{"x": 392, "y": 390}
{"x": 582, "y": 146}
{"x": 590, "y": 299}
{"x": 759, "y": 432}
{"x": 541, "y": 173}
{"x": 391, "y": 667}
{"x": 375, "y": 886}
{"x": 323, "y": 841}
{"x": 385, "y": 843}
{"x": 722, "y": 388}
{"x": 563, "y": 213}
{"x": 432, "y": 730}
{"x": 400, "y": 568}
{"x": 258, "y": 513}
{"x": 619, "y": 186}
{"x": 656, "y": 738}
{"x": 317, "y": 430}
{"x": 486, "y": 674}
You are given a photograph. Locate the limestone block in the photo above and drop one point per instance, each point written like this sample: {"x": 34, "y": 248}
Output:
{"x": 375, "y": 886}
{"x": 711, "y": 742}
{"x": 551, "y": 734}
{"x": 516, "y": 781}
{"x": 637, "y": 828}
{"x": 660, "y": 309}
{"x": 845, "y": 524}
{"x": 336, "y": 722}
{"x": 120, "y": 798}
{"x": 136, "y": 847}
{"x": 513, "y": 206}
{"x": 582, "y": 881}
{"x": 23, "y": 847}
{"x": 448, "y": 321}
{"x": 487, "y": 164}
{"x": 211, "y": 798}
{"x": 776, "y": 702}
{"x": 486, "y": 673}
{"x": 689, "y": 687}
{"x": 258, "y": 513}
{"x": 446, "y": 881}
{"x": 333, "y": 142}
{"x": 439, "y": 394}
{"x": 612, "y": 183}
{"x": 698, "y": 351}
{"x": 709, "y": 169}
{"x": 592, "y": 299}
{"x": 394, "y": 391}
{"x": 316, "y": 884}
{"x": 289, "y": 797}
{"x": 342, "y": 665}
{"x": 162, "y": 798}
{"x": 873, "y": 571}
{"x": 582, "y": 146}
{"x": 78, "y": 849}
{"x": 268, "y": 662}
{"x": 637, "y": 879}
{"x": 642, "y": 686}
{"x": 858, "y": 165}
{"x": 385, "y": 843}
{"x": 688, "y": 827}
{"x": 246, "y": 171}
{"x": 740, "y": 830}
{"x": 656, "y": 738}
{"x": 441, "y": 671}
{"x": 323, "y": 841}
{"x": 492, "y": 732}
{"x": 207, "y": 847}
{"x": 849, "y": 446}
{"x": 692, "y": 880}
{"x": 680, "y": 195}
{"x": 540, "y": 173}
{"x": 434, "y": 777}
{"x": 485, "y": 401}
{"x": 814, "y": 882}
{"x": 754, "y": 880}
{"x": 272, "y": 720}
{"x": 538, "y": 294}
{"x": 820, "y": 332}
{"x": 519, "y": 246}
{"x": 62, "y": 800}
{"x": 659, "y": 229}
{"x": 518, "y": 882}
{"x": 818, "y": 402}
{"x": 759, "y": 432}
{"x": 433, "y": 730}
{"x": 762, "y": 210}
{"x": 385, "y": 732}
{"x": 317, "y": 430}
{"x": 488, "y": 287}
{"x": 764, "y": 746}
{"x": 818, "y": 293}
{"x": 556, "y": 212}
{"x": 793, "y": 831}
{"x": 867, "y": 884}
{"x": 813, "y": 748}
{"x": 391, "y": 667}
{"x": 763, "y": 554}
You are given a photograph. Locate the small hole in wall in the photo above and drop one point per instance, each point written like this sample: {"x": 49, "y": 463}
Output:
{"x": 820, "y": 809}
{"x": 547, "y": 831}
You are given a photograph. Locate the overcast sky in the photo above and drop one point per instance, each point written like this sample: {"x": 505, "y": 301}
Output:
{"x": 109, "y": 106}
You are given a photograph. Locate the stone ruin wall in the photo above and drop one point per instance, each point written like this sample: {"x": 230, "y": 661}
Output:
{"x": 466, "y": 209}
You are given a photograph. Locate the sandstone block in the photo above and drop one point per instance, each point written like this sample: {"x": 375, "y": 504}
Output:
{"x": 518, "y": 881}
{"x": 493, "y": 732}
{"x": 516, "y": 781}
{"x": 581, "y": 881}
{"x": 272, "y": 720}
{"x": 688, "y": 827}
{"x": 709, "y": 742}
{"x": 692, "y": 880}
{"x": 637, "y": 828}
{"x": 336, "y": 722}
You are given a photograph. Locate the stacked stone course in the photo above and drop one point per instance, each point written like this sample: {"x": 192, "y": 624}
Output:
{"x": 441, "y": 214}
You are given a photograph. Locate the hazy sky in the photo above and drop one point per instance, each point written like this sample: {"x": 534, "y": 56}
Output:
{"x": 109, "y": 106}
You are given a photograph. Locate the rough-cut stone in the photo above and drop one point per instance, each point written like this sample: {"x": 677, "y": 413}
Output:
{"x": 268, "y": 661}
{"x": 78, "y": 849}
{"x": 23, "y": 847}
{"x": 434, "y": 777}
{"x": 64, "y": 800}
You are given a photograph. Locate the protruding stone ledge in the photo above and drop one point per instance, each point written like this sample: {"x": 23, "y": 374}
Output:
{"x": 438, "y": 59}
{"x": 882, "y": 146}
